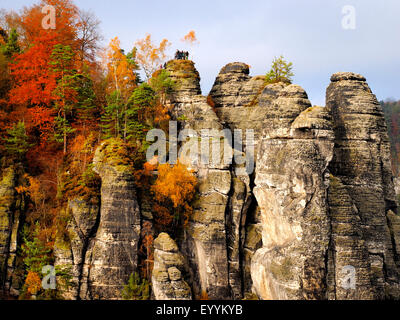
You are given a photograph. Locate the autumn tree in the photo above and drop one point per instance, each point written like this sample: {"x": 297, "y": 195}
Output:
{"x": 281, "y": 71}
{"x": 122, "y": 80}
{"x": 31, "y": 70}
{"x": 33, "y": 283}
{"x": 174, "y": 191}
{"x": 149, "y": 55}
{"x": 146, "y": 249}
{"x": 190, "y": 38}
{"x": 121, "y": 71}
{"x": 89, "y": 36}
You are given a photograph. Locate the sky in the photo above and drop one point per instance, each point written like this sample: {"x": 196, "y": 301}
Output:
{"x": 308, "y": 33}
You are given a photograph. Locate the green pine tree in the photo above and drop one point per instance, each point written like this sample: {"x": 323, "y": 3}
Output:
{"x": 136, "y": 289}
{"x": 62, "y": 61}
{"x": 281, "y": 71}
{"x": 112, "y": 116}
{"x": 163, "y": 85}
{"x": 17, "y": 143}
{"x": 86, "y": 99}
{"x": 11, "y": 47}
{"x": 140, "y": 104}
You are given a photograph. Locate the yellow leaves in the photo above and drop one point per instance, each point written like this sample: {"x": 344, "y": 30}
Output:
{"x": 175, "y": 183}
{"x": 149, "y": 167}
{"x": 35, "y": 191}
{"x": 149, "y": 55}
{"x": 120, "y": 72}
{"x": 190, "y": 38}
{"x": 33, "y": 283}
{"x": 161, "y": 113}
{"x": 21, "y": 189}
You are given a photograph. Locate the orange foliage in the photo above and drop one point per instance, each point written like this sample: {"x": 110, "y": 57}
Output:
{"x": 204, "y": 295}
{"x": 211, "y": 103}
{"x": 163, "y": 216}
{"x": 190, "y": 37}
{"x": 33, "y": 283}
{"x": 120, "y": 73}
{"x": 146, "y": 249}
{"x": 148, "y": 167}
{"x": 66, "y": 22}
{"x": 175, "y": 183}
{"x": 161, "y": 113}
{"x": 149, "y": 55}
{"x": 21, "y": 189}
{"x": 35, "y": 191}
{"x": 31, "y": 70}
{"x": 174, "y": 190}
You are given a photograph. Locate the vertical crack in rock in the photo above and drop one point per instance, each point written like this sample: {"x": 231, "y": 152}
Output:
{"x": 82, "y": 227}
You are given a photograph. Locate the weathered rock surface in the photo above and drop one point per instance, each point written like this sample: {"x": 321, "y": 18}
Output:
{"x": 361, "y": 163}
{"x": 82, "y": 227}
{"x": 243, "y": 102}
{"x": 325, "y": 190}
{"x": 104, "y": 236}
{"x": 204, "y": 240}
{"x": 291, "y": 190}
{"x": 113, "y": 257}
{"x": 11, "y": 219}
{"x": 317, "y": 220}
{"x": 169, "y": 271}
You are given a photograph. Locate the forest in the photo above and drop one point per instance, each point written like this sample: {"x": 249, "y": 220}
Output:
{"x": 61, "y": 96}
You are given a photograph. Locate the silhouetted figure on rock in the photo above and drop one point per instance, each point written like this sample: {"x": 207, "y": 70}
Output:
{"x": 181, "y": 55}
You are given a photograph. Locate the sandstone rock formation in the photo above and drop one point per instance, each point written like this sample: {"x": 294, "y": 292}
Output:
{"x": 317, "y": 219}
{"x": 103, "y": 249}
{"x": 83, "y": 224}
{"x": 170, "y": 268}
{"x": 329, "y": 208}
{"x": 366, "y": 238}
{"x": 204, "y": 241}
{"x": 291, "y": 189}
{"x": 11, "y": 220}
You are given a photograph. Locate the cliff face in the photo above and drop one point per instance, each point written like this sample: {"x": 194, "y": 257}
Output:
{"x": 316, "y": 219}
{"x": 105, "y": 236}
{"x": 321, "y": 200}
{"x": 363, "y": 232}
{"x": 205, "y": 239}
{"x": 291, "y": 183}
{"x": 11, "y": 221}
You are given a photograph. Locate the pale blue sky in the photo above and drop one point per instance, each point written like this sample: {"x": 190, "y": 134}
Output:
{"x": 307, "y": 32}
